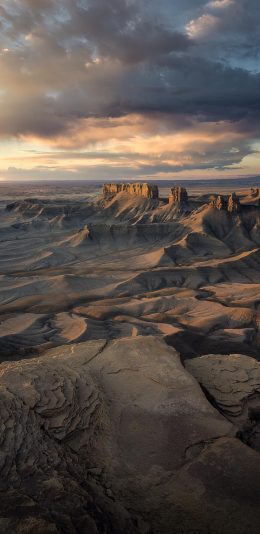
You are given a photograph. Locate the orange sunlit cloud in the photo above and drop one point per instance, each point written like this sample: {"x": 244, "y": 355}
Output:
{"x": 88, "y": 86}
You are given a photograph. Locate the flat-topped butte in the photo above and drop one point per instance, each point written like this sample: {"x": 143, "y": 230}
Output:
{"x": 140, "y": 189}
{"x": 179, "y": 198}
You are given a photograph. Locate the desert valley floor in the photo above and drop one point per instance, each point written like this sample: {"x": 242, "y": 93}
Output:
{"x": 130, "y": 374}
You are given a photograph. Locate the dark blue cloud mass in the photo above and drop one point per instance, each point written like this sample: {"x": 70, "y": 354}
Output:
{"x": 182, "y": 61}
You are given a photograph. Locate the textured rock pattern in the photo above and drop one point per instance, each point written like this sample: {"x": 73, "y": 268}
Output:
{"x": 178, "y": 195}
{"x": 219, "y": 202}
{"x": 112, "y": 189}
{"x": 117, "y": 437}
{"x": 233, "y": 205}
{"x": 255, "y": 191}
{"x": 233, "y": 382}
{"x": 106, "y": 431}
{"x": 139, "y": 189}
{"x": 230, "y": 204}
{"x": 49, "y": 414}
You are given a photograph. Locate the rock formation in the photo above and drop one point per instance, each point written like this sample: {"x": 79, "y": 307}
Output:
{"x": 102, "y": 429}
{"x": 230, "y": 204}
{"x": 112, "y": 189}
{"x": 178, "y": 195}
{"x": 118, "y": 437}
{"x": 219, "y": 202}
{"x": 233, "y": 382}
{"x": 140, "y": 189}
{"x": 50, "y": 413}
{"x": 233, "y": 205}
{"x": 255, "y": 192}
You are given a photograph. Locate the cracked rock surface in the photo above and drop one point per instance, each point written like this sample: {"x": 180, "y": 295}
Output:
{"x": 49, "y": 412}
{"x": 233, "y": 383}
{"x": 118, "y": 437}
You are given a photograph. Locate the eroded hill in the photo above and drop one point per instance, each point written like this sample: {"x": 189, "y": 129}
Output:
{"x": 103, "y": 301}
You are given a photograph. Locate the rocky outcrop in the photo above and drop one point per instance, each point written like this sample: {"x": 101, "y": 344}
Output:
{"x": 140, "y": 189}
{"x": 233, "y": 205}
{"x": 117, "y": 437}
{"x": 219, "y": 202}
{"x": 233, "y": 382}
{"x": 230, "y": 203}
{"x": 255, "y": 191}
{"x": 52, "y": 417}
{"x": 178, "y": 195}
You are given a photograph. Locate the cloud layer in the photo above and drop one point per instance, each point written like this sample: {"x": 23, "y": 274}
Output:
{"x": 138, "y": 87}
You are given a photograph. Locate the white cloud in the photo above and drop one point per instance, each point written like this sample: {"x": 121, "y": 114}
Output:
{"x": 202, "y": 26}
{"x": 220, "y": 4}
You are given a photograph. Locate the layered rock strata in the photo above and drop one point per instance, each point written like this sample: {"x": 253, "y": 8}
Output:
{"x": 233, "y": 382}
{"x": 140, "y": 189}
{"x": 230, "y": 203}
{"x": 219, "y": 202}
{"x": 178, "y": 195}
{"x": 233, "y": 205}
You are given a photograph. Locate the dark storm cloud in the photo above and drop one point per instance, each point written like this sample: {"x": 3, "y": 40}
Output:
{"x": 64, "y": 60}
{"x": 196, "y": 87}
{"x": 118, "y": 29}
{"x": 61, "y": 61}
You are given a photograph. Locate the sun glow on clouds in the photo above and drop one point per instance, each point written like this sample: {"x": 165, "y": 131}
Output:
{"x": 93, "y": 88}
{"x": 220, "y": 4}
{"x": 128, "y": 144}
{"x": 202, "y": 26}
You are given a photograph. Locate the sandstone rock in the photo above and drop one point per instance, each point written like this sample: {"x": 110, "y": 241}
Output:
{"x": 139, "y": 189}
{"x": 230, "y": 204}
{"x": 219, "y": 202}
{"x": 233, "y": 205}
{"x": 233, "y": 382}
{"x": 93, "y": 430}
{"x": 178, "y": 195}
{"x": 255, "y": 191}
{"x": 220, "y": 489}
{"x": 51, "y": 417}
{"x": 112, "y": 189}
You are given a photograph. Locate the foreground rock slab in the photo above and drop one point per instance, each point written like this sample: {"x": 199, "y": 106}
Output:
{"x": 116, "y": 436}
{"x": 233, "y": 383}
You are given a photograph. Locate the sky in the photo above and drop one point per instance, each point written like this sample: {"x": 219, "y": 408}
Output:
{"x": 111, "y": 89}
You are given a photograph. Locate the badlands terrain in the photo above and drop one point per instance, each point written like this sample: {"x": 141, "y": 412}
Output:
{"x": 130, "y": 375}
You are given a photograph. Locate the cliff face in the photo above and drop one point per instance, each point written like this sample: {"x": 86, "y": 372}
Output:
{"x": 178, "y": 195}
{"x": 255, "y": 191}
{"x": 139, "y": 189}
{"x": 112, "y": 189}
{"x": 231, "y": 204}
{"x": 219, "y": 202}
